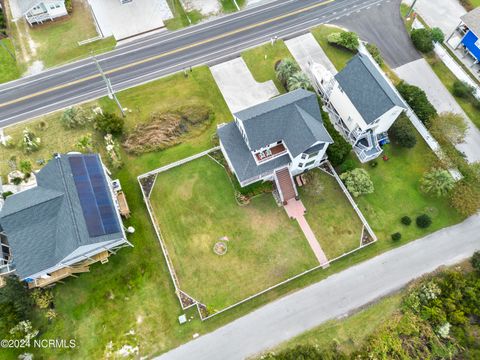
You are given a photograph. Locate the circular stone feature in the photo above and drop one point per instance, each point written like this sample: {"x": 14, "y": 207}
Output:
{"x": 220, "y": 248}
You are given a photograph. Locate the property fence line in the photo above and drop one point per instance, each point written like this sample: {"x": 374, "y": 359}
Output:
{"x": 88, "y": 41}
{"x": 352, "y": 202}
{"x": 178, "y": 163}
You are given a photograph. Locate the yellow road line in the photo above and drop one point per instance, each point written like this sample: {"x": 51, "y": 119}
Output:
{"x": 159, "y": 56}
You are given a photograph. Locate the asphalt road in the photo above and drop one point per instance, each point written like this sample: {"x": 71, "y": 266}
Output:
{"x": 383, "y": 25}
{"x": 162, "y": 54}
{"x": 334, "y": 297}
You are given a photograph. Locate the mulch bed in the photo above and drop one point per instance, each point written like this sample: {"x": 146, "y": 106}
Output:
{"x": 147, "y": 184}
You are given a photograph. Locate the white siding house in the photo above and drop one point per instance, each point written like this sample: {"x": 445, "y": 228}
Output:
{"x": 39, "y": 11}
{"x": 361, "y": 101}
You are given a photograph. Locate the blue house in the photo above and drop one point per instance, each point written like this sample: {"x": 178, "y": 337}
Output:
{"x": 470, "y": 29}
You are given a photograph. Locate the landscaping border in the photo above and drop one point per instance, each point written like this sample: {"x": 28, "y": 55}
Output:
{"x": 186, "y": 301}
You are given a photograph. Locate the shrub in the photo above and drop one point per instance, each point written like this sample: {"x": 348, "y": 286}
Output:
{"x": 424, "y": 221}
{"x": 418, "y": 101}
{"x": 30, "y": 142}
{"x": 406, "y": 220}
{"x": 358, "y": 182}
{"x": 298, "y": 80}
{"x": 339, "y": 150}
{"x": 85, "y": 143}
{"x": 285, "y": 69}
{"x": 347, "y": 165}
{"x": 437, "y": 35}
{"x": 402, "y": 133}
{"x": 347, "y": 39}
{"x": 74, "y": 118}
{"x": 6, "y": 194}
{"x": 462, "y": 89}
{"x": 422, "y": 39}
{"x": 465, "y": 198}
{"x": 375, "y": 52}
{"x": 113, "y": 151}
{"x": 437, "y": 182}
{"x": 451, "y": 126}
{"x": 25, "y": 167}
{"x": 42, "y": 298}
{"x": 373, "y": 164}
{"x": 475, "y": 260}
{"x": 109, "y": 123}
{"x": 17, "y": 180}
{"x": 396, "y": 236}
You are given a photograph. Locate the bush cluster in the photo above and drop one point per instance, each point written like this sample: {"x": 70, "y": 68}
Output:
{"x": 402, "y": 133}
{"x": 347, "y": 39}
{"x": 375, "y": 52}
{"x": 423, "y": 221}
{"x": 424, "y": 39}
{"x": 109, "y": 123}
{"x": 339, "y": 150}
{"x": 465, "y": 91}
{"x": 418, "y": 101}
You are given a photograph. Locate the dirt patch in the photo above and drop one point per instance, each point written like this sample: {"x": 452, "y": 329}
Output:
{"x": 166, "y": 129}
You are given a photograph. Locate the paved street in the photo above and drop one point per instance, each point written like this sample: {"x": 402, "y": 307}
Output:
{"x": 336, "y": 296}
{"x": 382, "y": 25}
{"x": 165, "y": 53}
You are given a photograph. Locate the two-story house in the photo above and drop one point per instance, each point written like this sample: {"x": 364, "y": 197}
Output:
{"x": 276, "y": 140}
{"x": 361, "y": 101}
{"x": 39, "y": 11}
{"x": 67, "y": 222}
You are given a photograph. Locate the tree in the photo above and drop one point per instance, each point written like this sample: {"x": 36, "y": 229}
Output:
{"x": 423, "y": 221}
{"x": 402, "y": 133}
{"x": 375, "y": 52}
{"x": 418, "y": 101}
{"x": 15, "y": 301}
{"x": 422, "y": 39}
{"x": 25, "y": 167}
{"x": 465, "y": 198}
{"x": 475, "y": 260}
{"x": 109, "y": 123}
{"x": 74, "y": 117}
{"x": 347, "y": 39}
{"x": 339, "y": 150}
{"x": 358, "y": 182}
{"x": 299, "y": 80}
{"x": 437, "y": 35}
{"x": 437, "y": 182}
{"x": 450, "y": 125}
{"x": 285, "y": 69}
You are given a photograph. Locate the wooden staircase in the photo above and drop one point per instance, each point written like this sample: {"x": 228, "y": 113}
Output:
{"x": 285, "y": 184}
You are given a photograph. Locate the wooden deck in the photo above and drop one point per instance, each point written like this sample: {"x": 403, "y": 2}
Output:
{"x": 270, "y": 153}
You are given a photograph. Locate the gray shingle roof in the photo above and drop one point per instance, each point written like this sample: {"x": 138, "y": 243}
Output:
{"x": 46, "y": 224}
{"x": 294, "y": 118}
{"x": 241, "y": 157}
{"x": 472, "y": 20}
{"x": 366, "y": 87}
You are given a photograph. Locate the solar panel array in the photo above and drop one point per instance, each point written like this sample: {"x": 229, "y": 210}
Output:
{"x": 98, "y": 210}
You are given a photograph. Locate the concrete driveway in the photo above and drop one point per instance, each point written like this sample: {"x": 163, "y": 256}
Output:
{"x": 382, "y": 25}
{"x": 336, "y": 296}
{"x": 238, "y": 87}
{"x": 419, "y": 73}
{"x": 444, "y": 14}
{"x": 129, "y": 19}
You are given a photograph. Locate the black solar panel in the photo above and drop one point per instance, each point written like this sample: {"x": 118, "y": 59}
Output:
{"x": 97, "y": 207}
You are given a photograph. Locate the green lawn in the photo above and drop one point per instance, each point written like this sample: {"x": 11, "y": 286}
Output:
{"x": 349, "y": 333}
{"x": 8, "y": 65}
{"x": 181, "y": 18}
{"x": 397, "y": 193}
{"x": 261, "y": 61}
{"x": 330, "y": 215}
{"x": 229, "y": 6}
{"x": 195, "y": 207}
{"x": 56, "y": 43}
{"x": 338, "y": 56}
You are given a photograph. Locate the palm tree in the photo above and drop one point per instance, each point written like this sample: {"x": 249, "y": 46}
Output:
{"x": 285, "y": 69}
{"x": 437, "y": 182}
{"x": 299, "y": 80}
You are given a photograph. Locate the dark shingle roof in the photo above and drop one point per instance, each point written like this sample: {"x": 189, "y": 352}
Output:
{"x": 241, "y": 157}
{"x": 46, "y": 224}
{"x": 294, "y": 118}
{"x": 366, "y": 87}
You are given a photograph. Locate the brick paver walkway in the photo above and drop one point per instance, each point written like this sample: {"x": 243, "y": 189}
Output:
{"x": 296, "y": 210}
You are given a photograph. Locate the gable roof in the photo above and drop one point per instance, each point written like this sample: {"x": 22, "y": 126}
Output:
{"x": 472, "y": 20}
{"x": 367, "y": 88}
{"x": 27, "y": 5}
{"x": 47, "y": 223}
{"x": 294, "y": 118}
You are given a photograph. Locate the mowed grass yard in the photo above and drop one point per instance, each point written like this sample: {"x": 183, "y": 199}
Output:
{"x": 8, "y": 65}
{"x": 261, "y": 61}
{"x": 330, "y": 214}
{"x": 195, "y": 207}
{"x": 338, "y": 56}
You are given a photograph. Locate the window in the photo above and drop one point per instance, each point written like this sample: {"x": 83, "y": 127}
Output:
{"x": 304, "y": 156}
{"x": 279, "y": 142}
{"x": 312, "y": 155}
{"x": 300, "y": 165}
{"x": 310, "y": 163}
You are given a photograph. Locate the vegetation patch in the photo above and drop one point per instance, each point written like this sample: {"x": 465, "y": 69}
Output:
{"x": 339, "y": 56}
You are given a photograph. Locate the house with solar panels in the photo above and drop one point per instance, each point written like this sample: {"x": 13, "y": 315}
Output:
{"x": 362, "y": 102}
{"x": 69, "y": 221}
{"x": 276, "y": 140}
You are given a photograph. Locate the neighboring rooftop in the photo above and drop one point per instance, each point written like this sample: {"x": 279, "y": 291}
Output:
{"x": 294, "y": 118}
{"x": 71, "y": 207}
{"x": 367, "y": 88}
{"x": 472, "y": 20}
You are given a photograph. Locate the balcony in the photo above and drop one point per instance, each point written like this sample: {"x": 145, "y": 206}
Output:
{"x": 273, "y": 152}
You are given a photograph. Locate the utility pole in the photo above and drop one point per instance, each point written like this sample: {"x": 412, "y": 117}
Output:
{"x": 108, "y": 83}
{"x": 411, "y": 8}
